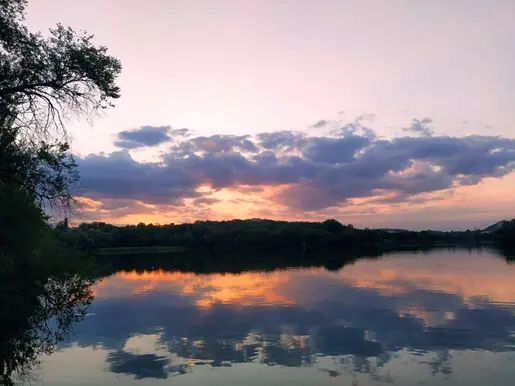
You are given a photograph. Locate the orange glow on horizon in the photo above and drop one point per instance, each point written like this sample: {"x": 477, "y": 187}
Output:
{"x": 495, "y": 197}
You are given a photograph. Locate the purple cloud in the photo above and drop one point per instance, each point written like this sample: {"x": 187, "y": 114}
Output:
{"x": 321, "y": 171}
{"x": 145, "y": 136}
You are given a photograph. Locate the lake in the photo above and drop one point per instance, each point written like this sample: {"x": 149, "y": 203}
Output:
{"x": 443, "y": 317}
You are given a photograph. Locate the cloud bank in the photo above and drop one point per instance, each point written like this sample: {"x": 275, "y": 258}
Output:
{"x": 313, "y": 172}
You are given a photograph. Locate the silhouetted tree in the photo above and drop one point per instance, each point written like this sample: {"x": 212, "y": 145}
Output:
{"x": 333, "y": 226}
{"x": 42, "y": 82}
{"x": 39, "y": 280}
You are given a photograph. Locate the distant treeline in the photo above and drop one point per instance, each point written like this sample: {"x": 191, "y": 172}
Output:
{"x": 298, "y": 236}
{"x": 505, "y": 237}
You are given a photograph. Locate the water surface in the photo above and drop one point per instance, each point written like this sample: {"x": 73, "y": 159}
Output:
{"x": 445, "y": 317}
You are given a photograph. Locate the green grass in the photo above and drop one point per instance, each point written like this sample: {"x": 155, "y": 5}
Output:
{"x": 139, "y": 250}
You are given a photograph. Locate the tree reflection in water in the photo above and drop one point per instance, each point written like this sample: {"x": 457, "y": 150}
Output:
{"x": 349, "y": 332}
{"x": 35, "y": 316}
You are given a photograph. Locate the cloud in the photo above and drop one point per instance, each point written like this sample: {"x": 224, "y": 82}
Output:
{"x": 319, "y": 124}
{"x": 328, "y": 150}
{"x": 146, "y": 136}
{"x": 420, "y": 126}
{"x": 205, "y": 201}
{"x": 109, "y": 209}
{"x": 215, "y": 144}
{"x": 282, "y": 141}
{"x": 119, "y": 176}
{"x": 313, "y": 172}
{"x": 180, "y": 132}
{"x": 141, "y": 366}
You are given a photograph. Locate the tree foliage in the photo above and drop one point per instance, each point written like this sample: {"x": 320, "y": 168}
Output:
{"x": 44, "y": 286}
{"x": 46, "y": 170}
{"x": 506, "y": 238}
{"x": 43, "y": 81}
{"x": 298, "y": 236}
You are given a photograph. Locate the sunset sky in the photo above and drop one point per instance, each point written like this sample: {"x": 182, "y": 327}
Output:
{"x": 376, "y": 113}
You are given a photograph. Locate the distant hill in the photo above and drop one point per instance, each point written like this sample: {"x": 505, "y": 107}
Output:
{"x": 494, "y": 227}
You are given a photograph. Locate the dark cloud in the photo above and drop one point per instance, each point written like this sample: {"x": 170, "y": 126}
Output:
{"x": 145, "y": 136}
{"x": 216, "y": 144}
{"x": 205, "y": 201}
{"x": 407, "y": 199}
{"x": 319, "y": 124}
{"x": 320, "y": 171}
{"x": 334, "y": 150}
{"x": 282, "y": 141}
{"x": 420, "y": 126}
{"x": 179, "y": 132}
{"x": 118, "y": 175}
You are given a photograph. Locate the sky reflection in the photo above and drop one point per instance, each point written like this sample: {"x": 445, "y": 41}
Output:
{"x": 374, "y": 321}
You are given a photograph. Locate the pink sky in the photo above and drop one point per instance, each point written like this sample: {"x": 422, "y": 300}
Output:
{"x": 250, "y": 67}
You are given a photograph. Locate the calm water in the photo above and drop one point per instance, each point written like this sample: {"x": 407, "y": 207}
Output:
{"x": 439, "y": 318}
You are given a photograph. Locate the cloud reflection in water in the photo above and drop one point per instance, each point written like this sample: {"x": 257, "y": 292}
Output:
{"x": 430, "y": 310}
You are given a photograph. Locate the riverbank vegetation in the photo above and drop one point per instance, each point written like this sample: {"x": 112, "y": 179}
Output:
{"x": 294, "y": 236}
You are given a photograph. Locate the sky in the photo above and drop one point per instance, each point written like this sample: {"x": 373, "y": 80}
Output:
{"x": 376, "y": 113}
